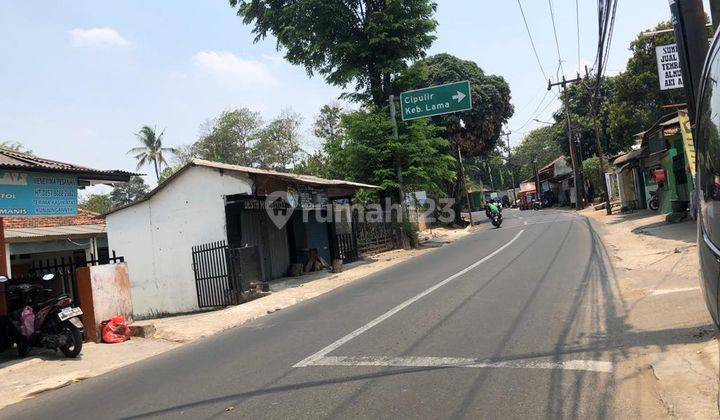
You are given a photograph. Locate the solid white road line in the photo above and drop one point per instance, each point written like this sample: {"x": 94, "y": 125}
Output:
{"x": 319, "y": 355}
{"x": 679, "y": 290}
{"x": 455, "y": 362}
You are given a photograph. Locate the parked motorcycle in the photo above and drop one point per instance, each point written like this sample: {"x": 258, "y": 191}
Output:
{"x": 654, "y": 203}
{"x": 536, "y": 205}
{"x": 53, "y": 324}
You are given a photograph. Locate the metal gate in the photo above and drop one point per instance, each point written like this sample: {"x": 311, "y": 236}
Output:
{"x": 223, "y": 273}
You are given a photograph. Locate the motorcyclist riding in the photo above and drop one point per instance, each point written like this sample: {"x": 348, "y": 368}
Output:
{"x": 494, "y": 212}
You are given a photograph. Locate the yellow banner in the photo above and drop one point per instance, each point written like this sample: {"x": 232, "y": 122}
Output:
{"x": 686, "y": 131}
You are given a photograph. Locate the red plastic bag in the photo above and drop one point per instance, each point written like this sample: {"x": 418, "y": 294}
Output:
{"x": 115, "y": 330}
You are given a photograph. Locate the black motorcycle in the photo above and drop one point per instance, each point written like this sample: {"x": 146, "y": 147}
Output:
{"x": 496, "y": 219}
{"x": 52, "y": 323}
{"x": 654, "y": 203}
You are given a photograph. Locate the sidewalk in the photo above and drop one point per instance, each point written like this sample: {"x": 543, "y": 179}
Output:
{"x": 47, "y": 370}
{"x": 656, "y": 269}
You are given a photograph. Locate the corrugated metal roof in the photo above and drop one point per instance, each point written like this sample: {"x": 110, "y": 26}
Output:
{"x": 10, "y": 159}
{"x": 305, "y": 179}
{"x": 308, "y": 179}
{"x": 628, "y": 157}
{"x": 54, "y": 232}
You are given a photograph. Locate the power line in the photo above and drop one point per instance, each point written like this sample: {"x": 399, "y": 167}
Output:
{"x": 557, "y": 42}
{"x": 537, "y": 111}
{"x": 532, "y": 43}
{"x": 577, "y": 24}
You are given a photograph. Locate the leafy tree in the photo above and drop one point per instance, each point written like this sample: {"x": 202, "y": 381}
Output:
{"x": 278, "y": 146}
{"x": 129, "y": 192}
{"x": 98, "y": 203}
{"x": 152, "y": 151}
{"x": 167, "y": 173}
{"x": 15, "y": 146}
{"x": 371, "y": 152}
{"x": 364, "y": 42}
{"x": 638, "y": 99}
{"x": 475, "y": 132}
{"x": 539, "y": 144}
{"x": 228, "y": 138}
{"x": 328, "y": 161}
{"x": 591, "y": 169}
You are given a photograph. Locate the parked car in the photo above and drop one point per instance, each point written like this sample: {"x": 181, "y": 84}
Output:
{"x": 707, "y": 140}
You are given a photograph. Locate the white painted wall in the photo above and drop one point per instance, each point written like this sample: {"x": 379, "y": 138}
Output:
{"x": 156, "y": 237}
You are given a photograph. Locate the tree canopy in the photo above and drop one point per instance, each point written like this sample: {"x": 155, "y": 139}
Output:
{"x": 360, "y": 42}
{"x": 229, "y": 138}
{"x": 371, "y": 152}
{"x": 491, "y": 108}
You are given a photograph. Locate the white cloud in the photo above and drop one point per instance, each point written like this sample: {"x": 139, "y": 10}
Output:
{"x": 97, "y": 37}
{"x": 274, "y": 58}
{"x": 228, "y": 68}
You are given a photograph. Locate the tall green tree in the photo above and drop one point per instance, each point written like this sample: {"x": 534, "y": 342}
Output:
{"x": 278, "y": 145}
{"x": 475, "y": 132}
{"x": 638, "y": 101}
{"x": 360, "y": 42}
{"x": 229, "y": 138}
{"x": 372, "y": 151}
{"x": 327, "y": 162}
{"x": 151, "y": 152}
{"x": 98, "y": 203}
{"x": 541, "y": 145}
{"x": 129, "y": 192}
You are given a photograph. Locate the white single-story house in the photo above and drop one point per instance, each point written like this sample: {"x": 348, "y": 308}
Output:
{"x": 170, "y": 237}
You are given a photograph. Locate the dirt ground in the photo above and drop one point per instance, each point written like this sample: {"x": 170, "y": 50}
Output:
{"x": 671, "y": 341}
{"x": 47, "y": 370}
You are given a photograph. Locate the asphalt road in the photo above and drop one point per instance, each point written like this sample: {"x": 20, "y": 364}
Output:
{"x": 504, "y": 323}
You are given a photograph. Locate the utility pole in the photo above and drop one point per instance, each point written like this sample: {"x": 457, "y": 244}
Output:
{"x": 577, "y": 166}
{"x": 536, "y": 175}
{"x": 464, "y": 184}
{"x": 489, "y": 169}
{"x": 688, "y": 19}
{"x": 512, "y": 172}
{"x": 596, "y": 99}
{"x": 398, "y": 173}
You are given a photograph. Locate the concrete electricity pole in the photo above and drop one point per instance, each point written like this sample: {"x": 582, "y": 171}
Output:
{"x": 512, "y": 172}
{"x": 596, "y": 100}
{"x": 577, "y": 166}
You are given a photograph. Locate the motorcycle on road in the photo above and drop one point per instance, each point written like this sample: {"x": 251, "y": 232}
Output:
{"x": 53, "y": 324}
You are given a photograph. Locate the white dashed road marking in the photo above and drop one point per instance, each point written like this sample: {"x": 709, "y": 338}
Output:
{"x": 310, "y": 360}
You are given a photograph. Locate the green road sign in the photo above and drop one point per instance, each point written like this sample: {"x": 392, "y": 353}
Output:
{"x": 435, "y": 100}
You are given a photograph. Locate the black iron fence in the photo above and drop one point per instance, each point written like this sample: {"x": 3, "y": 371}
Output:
{"x": 222, "y": 272}
{"x": 63, "y": 268}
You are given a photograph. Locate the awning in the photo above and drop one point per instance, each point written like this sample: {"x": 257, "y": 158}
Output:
{"x": 628, "y": 157}
{"x": 50, "y": 233}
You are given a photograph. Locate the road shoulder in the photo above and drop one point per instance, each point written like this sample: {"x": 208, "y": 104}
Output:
{"x": 656, "y": 268}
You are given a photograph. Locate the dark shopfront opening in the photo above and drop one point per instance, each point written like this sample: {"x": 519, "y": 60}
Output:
{"x": 293, "y": 242}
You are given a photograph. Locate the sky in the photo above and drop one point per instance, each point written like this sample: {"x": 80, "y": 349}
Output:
{"x": 79, "y": 78}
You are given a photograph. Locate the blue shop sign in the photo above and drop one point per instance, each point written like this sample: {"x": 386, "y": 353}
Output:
{"x": 37, "y": 194}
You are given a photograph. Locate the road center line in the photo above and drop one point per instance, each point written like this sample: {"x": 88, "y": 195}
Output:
{"x": 310, "y": 360}
{"x": 455, "y": 362}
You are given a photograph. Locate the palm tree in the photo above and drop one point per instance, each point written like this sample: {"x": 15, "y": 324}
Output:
{"x": 151, "y": 151}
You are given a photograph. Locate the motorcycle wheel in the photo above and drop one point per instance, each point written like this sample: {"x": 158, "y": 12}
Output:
{"x": 75, "y": 335}
{"x": 22, "y": 347}
{"x": 654, "y": 205}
